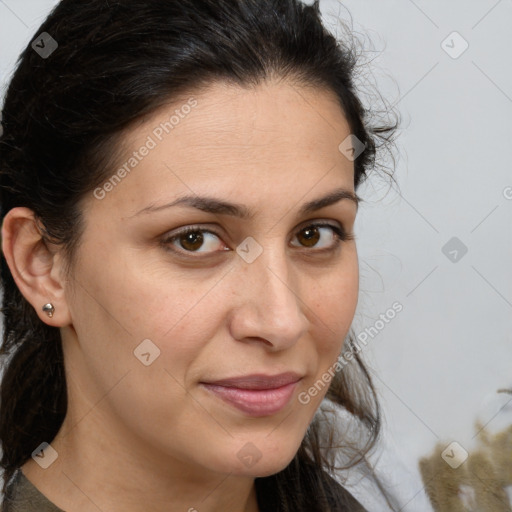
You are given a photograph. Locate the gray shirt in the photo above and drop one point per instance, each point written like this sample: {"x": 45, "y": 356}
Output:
{"x": 22, "y": 496}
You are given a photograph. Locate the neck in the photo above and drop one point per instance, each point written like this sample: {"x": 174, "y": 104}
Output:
{"x": 107, "y": 469}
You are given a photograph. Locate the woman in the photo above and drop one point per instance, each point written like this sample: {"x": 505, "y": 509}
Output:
{"x": 180, "y": 273}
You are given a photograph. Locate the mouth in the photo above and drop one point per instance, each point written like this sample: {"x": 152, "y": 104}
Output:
{"x": 256, "y": 395}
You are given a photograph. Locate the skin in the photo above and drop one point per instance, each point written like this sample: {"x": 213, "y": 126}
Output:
{"x": 151, "y": 438}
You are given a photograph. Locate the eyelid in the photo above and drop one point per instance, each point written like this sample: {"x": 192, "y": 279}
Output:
{"x": 167, "y": 240}
{"x": 338, "y": 229}
{"x": 340, "y": 234}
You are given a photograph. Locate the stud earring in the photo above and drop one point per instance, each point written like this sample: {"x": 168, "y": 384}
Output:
{"x": 49, "y": 309}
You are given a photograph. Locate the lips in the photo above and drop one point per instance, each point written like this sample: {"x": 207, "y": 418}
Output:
{"x": 258, "y": 381}
{"x": 256, "y": 395}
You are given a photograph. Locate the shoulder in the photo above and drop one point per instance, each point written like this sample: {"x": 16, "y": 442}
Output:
{"x": 22, "y": 496}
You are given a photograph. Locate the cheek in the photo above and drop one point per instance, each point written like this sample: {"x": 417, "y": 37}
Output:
{"x": 120, "y": 311}
{"x": 115, "y": 308}
{"x": 334, "y": 303}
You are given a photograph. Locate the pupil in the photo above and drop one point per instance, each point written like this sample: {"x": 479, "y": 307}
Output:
{"x": 311, "y": 236}
{"x": 192, "y": 241}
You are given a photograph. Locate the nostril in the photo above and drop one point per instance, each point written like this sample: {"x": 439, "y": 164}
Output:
{"x": 255, "y": 339}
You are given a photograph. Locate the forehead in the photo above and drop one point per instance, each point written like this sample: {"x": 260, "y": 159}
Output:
{"x": 250, "y": 142}
{"x": 268, "y": 119}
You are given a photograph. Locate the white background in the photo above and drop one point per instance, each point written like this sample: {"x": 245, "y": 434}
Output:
{"x": 438, "y": 363}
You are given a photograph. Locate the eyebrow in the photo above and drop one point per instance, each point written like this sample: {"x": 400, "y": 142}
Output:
{"x": 220, "y": 207}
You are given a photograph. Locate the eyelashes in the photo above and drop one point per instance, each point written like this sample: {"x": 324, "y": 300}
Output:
{"x": 189, "y": 241}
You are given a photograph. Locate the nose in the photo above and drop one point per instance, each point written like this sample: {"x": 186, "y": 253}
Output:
{"x": 268, "y": 307}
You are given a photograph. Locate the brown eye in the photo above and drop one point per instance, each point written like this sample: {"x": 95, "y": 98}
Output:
{"x": 321, "y": 236}
{"x": 310, "y": 236}
{"x": 195, "y": 240}
{"x": 191, "y": 241}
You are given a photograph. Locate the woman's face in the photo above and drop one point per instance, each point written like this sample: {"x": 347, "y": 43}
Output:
{"x": 159, "y": 316}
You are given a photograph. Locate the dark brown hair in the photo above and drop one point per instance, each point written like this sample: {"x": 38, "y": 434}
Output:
{"x": 63, "y": 116}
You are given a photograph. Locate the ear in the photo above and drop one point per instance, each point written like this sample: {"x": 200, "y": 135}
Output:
{"x": 36, "y": 266}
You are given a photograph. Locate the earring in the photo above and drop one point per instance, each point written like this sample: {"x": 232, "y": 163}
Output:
{"x": 49, "y": 309}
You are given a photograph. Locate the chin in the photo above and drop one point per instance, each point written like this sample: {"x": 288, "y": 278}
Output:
{"x": 266, "y": 460}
